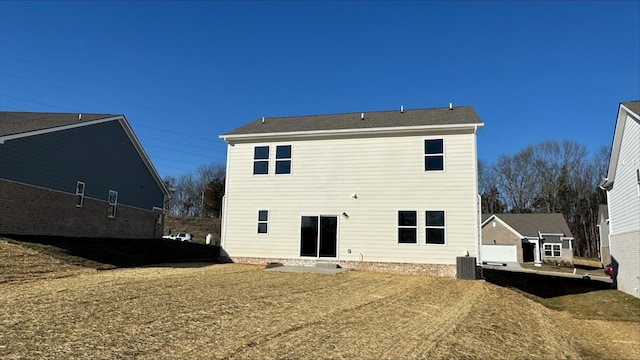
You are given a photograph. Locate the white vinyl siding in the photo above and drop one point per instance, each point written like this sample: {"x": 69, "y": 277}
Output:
{"x": 624, "y": 205}
{"x": 624, "y": 210}
{"x": 387, "y": 174}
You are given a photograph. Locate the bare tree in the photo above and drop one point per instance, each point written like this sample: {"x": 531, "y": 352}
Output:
{"x": 553, "y": 177}
{"x": 187, "y": 193}
{"x": 490, "y": 200}
{"x": 517, "y": 178}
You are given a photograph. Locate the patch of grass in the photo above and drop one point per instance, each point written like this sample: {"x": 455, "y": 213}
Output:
{"x": 584, "y": 299}
{"x": 102, "y": 254}
{"x": 197, "y": 226}
{"x": 580, "y": 269}
{"x": 612, "y": 305}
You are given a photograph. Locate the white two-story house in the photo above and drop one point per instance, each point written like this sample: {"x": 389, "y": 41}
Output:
{"x": 623, "y": 197}
{"x": 389, "y": 190}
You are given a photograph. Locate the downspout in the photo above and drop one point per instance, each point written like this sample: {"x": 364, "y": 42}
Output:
{"x": 478, "y": 199}
{"x": 223, "y": 223}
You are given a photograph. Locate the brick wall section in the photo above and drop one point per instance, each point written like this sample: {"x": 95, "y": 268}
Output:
{"x": 399, "y": 268}
{"x": 625, "y": 257}
{"x": 28, "y": 210}
{"x": 502, "y": 236}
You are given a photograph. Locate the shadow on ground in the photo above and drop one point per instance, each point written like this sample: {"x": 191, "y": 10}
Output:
{"x": 103, "y": 253}
{"x": 544, "y": 286}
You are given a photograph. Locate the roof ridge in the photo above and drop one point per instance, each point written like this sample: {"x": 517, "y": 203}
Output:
{"x": 360, "y": 112}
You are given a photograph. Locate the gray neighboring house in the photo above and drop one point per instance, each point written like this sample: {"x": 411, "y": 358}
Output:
{"x": 603, "y": 234}
{"x": 525, "y": 238}
{"x": 76, "y": 175}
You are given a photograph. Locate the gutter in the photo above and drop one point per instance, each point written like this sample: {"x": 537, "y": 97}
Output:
{"x": 606, "y": 184}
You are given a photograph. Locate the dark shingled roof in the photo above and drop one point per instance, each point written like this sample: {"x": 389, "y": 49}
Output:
{"x": 351, "y": 121}
{"x": 12, "y": 123}
{"x": 530, "y": 224}
{"x": 633, "y": 106}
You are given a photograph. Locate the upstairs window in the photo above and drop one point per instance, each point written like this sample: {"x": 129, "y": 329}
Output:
{"x": 113, "y": 202}
{"x": 433, "y": 155}
{"x": 283, "y": 159}
{"x": 435, "y": 227}
{"x": 261, "y": 160}
{"x": 407, "y": 227}
{"x": 263, "y": 221}
{"x": 79, "y": 194}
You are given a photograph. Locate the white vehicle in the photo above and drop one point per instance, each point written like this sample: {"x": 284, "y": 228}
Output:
{"x": 180, "y": 236}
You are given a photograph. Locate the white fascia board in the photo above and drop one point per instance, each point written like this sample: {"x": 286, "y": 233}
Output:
{"x": 143, "y": 154}
{"x": 57, "y": 128}
{"x": 385, "y": 130}
{"x": 623, "y": 112}
{"x": 488, "y": 220}
{"x": 495, "y": 217}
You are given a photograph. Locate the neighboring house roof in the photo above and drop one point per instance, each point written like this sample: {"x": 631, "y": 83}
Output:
{"x": 359, "y": 122}
{"x": 631, "y": 108}
{"x": 14, "y": 125}
{"x": 530, "y": 225}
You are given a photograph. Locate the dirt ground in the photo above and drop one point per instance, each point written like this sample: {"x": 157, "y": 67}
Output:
{"x": 233, "y": 311}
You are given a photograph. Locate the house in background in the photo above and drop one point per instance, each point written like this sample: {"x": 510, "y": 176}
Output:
{"x": 603, "y": 235}
{"x": 393, "y": 190}
{"x": 525, "y": 238}
{"x": 623, "y": 198}
{"x": 76, "y": 175}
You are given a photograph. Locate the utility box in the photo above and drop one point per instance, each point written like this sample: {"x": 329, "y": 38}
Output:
{"x": 466, "y": 268}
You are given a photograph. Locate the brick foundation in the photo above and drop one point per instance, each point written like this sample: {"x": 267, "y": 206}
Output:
{"x": 399, "y": 268}
{"x": 29, "y": 210}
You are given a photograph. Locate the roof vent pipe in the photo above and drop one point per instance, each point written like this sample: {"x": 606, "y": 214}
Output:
{"x": 450, "y": 106}
{"x": 401, "y": 108}
{"x": 79, "y": 116}
{"x": 263, "y": 119}
{"x": 361, "y": 116}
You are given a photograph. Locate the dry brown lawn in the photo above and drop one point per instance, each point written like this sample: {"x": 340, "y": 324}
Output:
{"x": 233, "y": 311}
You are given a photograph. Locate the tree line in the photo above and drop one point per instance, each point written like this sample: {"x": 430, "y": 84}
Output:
{"x": 549, "y": 177}
{"x": 196, "y": 194}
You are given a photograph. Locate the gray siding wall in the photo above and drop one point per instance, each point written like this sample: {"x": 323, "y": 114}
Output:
{"x": 101, "y": 155}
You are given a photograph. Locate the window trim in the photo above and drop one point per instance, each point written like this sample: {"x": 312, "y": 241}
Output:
{"x": 80, "y": 194}
{"x": 261, "y": 160}
{"x": 552, "y": 245}
{"x": 426, "y": 155}
{"x": 113, "y": 203}
{"x": 265, "y": 222}
{"x": 284, "y": 159}
{"x": 443, "y": 227}
{"x": 414, "y": 227}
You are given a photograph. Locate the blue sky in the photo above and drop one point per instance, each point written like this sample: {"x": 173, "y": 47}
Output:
{"x": 185, "y": 72}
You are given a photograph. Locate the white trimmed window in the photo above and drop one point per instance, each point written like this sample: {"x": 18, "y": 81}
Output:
{"x": 552, "y": 250}
{"x": 407, "y": 227}
{"x": 434, "y": 155}
{"x": 261, "y": 160}
{"x": 435, "y": 229}
{"x": 113, "y": 203}
{"x": 79, "y": 194}
{"x": 283, "y": 159}
{"x": 263, "y": 221}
